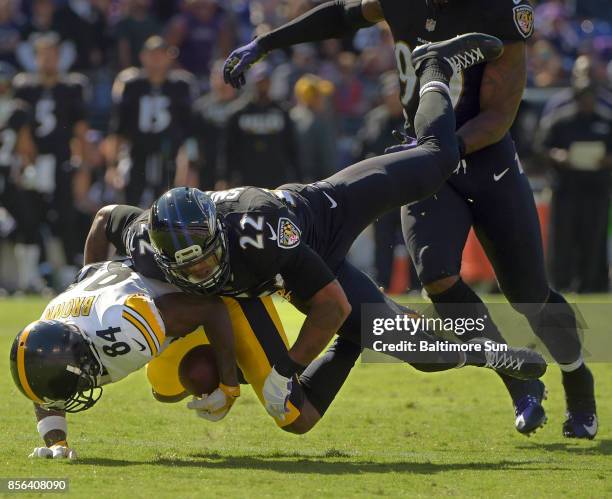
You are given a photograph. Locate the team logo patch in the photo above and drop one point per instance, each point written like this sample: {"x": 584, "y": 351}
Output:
{"x": 430, "y": 25}
{"x": 524, "y": 19}
{"x": 288, "y": 233}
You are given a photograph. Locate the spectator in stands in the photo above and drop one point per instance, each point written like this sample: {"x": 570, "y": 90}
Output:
{"x": 261, "y": 149}
{"x": 84, "y": 24}
{"x": 315, "y": 134}
{"x": 545, "y": 65}
{"x": 58, "y": 103}
{"x": 201, "y": 32}
{"x": 577, "y": 141}
{"x": 92, "y": 186}
{"x": 150, "y": 123}
{"x": 211, "y": 114}
{"x": 586, "y": 67}
{"x": 42, "y": 22}
{"x": 553, "y": 23}
{"x": 9, "y": 31}
{"x": 132, "y": 30}
{"x": 284, "y": 76}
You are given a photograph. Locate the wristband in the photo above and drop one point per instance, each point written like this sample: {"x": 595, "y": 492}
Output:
{"x": 287, "y": 367}
{"x": 51, "y": 423}
{"x": 230, "y": 391}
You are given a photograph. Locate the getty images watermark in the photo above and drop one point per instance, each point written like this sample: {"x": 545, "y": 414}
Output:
{"x": 415, "y": 332}
{"x": 412, "y": 330}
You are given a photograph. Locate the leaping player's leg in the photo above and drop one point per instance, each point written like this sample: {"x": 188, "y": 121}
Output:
{"x": 376, "y": 185}
{"x": 324, "y": 377}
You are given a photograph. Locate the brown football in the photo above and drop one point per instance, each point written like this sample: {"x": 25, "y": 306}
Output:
{"x": 198, "y": 371}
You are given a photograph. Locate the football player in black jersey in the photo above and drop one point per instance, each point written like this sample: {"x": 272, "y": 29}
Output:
{"x": 58, "y": 104}
{"x": 489, "y": 190}
{"x": 150, "y": 122}
{"x": 17, "y": 150}
{"x": 251, "y": 242}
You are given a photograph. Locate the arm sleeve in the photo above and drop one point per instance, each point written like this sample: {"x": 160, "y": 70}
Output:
{"x": 118, "y": 224}
{"x": 334, "y": 19}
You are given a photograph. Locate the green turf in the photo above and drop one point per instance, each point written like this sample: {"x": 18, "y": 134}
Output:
{"x": 391, "y": 432}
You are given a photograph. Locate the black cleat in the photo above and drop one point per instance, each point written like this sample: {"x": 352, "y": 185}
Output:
{"x": 519, "y": 363}
{"x": 461, "y": 52}
{"x": 581, "y": 421}
{"x": 580, "y": 424}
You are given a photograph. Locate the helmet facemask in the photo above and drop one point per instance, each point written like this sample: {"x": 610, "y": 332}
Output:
{"x": 87, "y": 388}
{"x": 196, "y": 269}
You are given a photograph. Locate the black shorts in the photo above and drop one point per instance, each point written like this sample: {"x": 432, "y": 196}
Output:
{"x": 491, "y": 193}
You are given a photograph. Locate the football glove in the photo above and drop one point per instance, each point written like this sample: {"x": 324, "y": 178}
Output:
{"x": 60, "y": 450}
{"x": 276, "y": 392}
{"x": 214, "y": 407}
{"x": 239, "y": 61}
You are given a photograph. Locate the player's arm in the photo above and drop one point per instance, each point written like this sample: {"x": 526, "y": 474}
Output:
{"x": 97, "y": 245}
{"x": 325, "y": 313}
{"x": 326, "y": 306}
{"x": 332, "y": 19}
{"x": 183, "y": 314}
{"x": 53, "y": 429}
{"x": 501, "y": 91}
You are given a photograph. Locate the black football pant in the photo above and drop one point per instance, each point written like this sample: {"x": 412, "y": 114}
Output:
{"x": 358, "y": 195}
{"x": 324, "y": 377}
{"x": 490, "y": 193}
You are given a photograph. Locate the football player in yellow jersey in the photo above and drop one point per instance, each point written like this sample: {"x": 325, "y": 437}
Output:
{"x": 112, "y": 322}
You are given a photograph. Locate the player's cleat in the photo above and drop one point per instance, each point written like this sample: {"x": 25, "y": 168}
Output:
{"x": 519, "y": 363}
{"x": 530, "y": 415}
{"x": 461, "y": 52}
{"x": 579, "y": 387}
{"x": 580, "y": 424}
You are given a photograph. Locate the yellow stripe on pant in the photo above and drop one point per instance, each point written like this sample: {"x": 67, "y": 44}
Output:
{"x": 260, "y": 338}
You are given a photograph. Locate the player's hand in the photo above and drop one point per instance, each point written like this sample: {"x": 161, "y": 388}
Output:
{"x": 214, "y": 407}
{"x": 56, "y": 451}
{"x": 276, "y": 392}
{"x": 239, "y": 61}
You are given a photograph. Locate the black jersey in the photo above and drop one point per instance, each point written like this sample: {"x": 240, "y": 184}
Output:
{"x": 57, "y": 109}
{"x": 152, "y": 118}
{"x": 270, "y": 239}
{"x": 416, "y": 22}
{"x": 14, "y": 115}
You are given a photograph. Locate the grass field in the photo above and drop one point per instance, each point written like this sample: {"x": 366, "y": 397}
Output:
{"x": 391, "y": 432}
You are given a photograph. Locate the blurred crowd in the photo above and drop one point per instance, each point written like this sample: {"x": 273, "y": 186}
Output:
{"x": 305, "y": 114}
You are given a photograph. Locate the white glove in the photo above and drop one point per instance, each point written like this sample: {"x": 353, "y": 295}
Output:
{"x": 215, "y": 406}
{"x": 276, "y": 392}
{"x": 56, "y": 451}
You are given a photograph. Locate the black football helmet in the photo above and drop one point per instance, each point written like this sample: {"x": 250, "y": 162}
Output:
{"x": 53, "y": 364}
{"x": 189, "y": 240}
